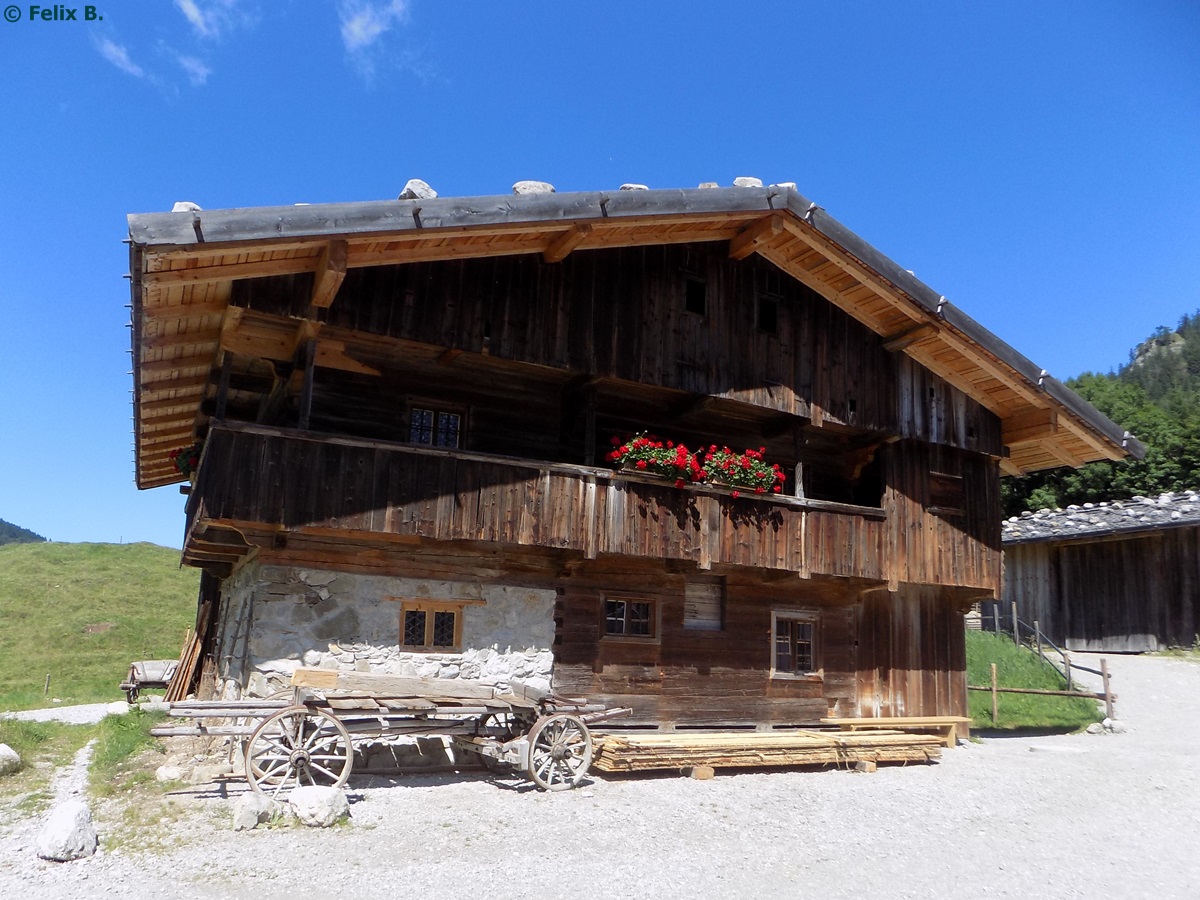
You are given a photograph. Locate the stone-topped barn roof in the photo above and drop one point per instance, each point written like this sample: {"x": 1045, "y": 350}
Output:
{"x": 1098, "y": 519}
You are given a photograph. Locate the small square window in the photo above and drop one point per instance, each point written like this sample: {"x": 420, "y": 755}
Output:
{"x": 431, "y": 625}
{"x": 434, "y": 427}
{"x": 695, "y": 298}
{"x": 630, "y": 617}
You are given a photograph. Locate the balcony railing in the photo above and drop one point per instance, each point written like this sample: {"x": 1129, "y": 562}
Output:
{"x": 268, "y": 481}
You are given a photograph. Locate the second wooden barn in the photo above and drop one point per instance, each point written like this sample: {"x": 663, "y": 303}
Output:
{"x": 1122, "y": 576}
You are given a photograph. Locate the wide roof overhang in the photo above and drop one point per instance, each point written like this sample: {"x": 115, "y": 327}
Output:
{"x": 183, "y": 266}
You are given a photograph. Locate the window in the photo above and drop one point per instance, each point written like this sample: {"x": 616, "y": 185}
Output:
{"x": 431, "y": 624}
{"x": 768, "y": 314}
{"x": 630, "y": 617}
{"x": 795, "y": 644}
{"x": 434, "y": 427}
{"x": 695, "y": 297}
{"x": 703, "y": 604}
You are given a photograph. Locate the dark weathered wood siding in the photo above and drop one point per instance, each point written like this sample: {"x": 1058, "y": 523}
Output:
{"x": 621, "y": 314}
{"x": 911, "y": 653}
{"x": 1129, "y": 593}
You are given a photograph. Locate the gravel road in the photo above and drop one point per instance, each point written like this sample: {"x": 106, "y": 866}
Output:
{"x": 1062, "y": 816}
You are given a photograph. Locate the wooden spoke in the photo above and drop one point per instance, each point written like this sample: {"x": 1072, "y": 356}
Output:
{"x": 560, "y": 752}
{"x": 296, "y": 746}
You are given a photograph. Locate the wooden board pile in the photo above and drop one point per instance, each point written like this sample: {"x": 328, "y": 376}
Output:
{"x": 632, "y": 752}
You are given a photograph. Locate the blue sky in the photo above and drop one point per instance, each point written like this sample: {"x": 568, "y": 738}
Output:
{"x": 1036, "y": 162}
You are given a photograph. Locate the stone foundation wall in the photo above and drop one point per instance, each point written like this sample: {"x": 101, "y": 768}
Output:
{"x": 275, "y": 619}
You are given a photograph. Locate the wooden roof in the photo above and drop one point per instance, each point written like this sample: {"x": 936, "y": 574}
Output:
{"x": 183, "y": 265}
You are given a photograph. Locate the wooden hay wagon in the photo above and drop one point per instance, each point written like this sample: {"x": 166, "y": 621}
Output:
{"x": 309, "y": 736}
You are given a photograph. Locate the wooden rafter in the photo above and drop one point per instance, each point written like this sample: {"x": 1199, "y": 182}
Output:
{"x": 330, "y": 272}
{"x": 909, "y": 336}
{"x": 560, "y": 247}
{"x": 751, "y": 238}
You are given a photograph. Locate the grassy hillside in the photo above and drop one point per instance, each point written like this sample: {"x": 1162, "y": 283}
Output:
{"x": 83, "y": 613}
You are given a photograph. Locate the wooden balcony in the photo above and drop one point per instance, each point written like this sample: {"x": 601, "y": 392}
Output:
{"x": 260, "y": 486}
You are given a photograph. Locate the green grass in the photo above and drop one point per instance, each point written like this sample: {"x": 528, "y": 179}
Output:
{"x": 1018, "y": 667}
{"x": 82, "y": 613}
{"x": 117, "y": 763}
{"x": 43, "y": 747}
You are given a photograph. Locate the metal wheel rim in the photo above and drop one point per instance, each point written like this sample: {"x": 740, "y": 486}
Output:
{"x": 298, "y": 746}
{"x": 560, "y": 752}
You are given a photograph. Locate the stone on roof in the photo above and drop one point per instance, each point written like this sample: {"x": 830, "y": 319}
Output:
{"x": 1095, "y": 519}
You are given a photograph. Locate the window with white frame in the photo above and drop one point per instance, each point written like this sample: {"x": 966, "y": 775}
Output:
{"x": 794, "y": 643}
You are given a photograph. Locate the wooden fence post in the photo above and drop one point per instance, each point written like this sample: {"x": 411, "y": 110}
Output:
{"x": 1108, "y": 704}
{"x": 1016, "y": 625}
{"x": 1067, "y": 666}
{"x": 1037, "y": 636}
{"x": 995, "y": 708}
{"x": 46, "y": 689}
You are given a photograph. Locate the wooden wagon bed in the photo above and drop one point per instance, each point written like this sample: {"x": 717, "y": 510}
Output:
{"x": 640, "y": 752}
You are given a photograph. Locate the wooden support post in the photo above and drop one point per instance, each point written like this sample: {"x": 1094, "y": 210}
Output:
{"x": 306, "y": 394}
{"x": 1108, "y": 702}
{"x": 589, "y": 426}
{"x": 223, "y": 385}
{"x": 46, "y": 689}
{"x": 1016, "y": 625}
{"x": 995, "y": 706}
{"x": 1067, "y": 667}
{"x": 1037, "y": 636}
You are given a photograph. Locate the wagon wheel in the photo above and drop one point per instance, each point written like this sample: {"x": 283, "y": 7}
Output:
{"x": 560, "y": 751}
{"x": 298, "y": 746}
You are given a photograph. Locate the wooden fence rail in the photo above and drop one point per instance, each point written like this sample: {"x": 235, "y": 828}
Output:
{"x": 1106, "y": 695}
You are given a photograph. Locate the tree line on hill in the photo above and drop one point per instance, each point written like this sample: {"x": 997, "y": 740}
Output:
{"x": 1156, "y": 396}
{"x": 15, "y": 534}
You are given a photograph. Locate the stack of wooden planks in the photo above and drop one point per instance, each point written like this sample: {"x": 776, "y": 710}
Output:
{"x": 637, "y": 752}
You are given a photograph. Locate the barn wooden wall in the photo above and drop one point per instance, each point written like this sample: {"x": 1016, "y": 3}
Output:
{"x": 702, "y": 677}
{"x": 621, "y": 314}
{"x": 1123, "y": 594}
{"x": 912, "y": 658}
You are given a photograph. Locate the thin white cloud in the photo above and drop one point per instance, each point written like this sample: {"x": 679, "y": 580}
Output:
{"x": 197, "y": 71}
{"x": 209, "y": 18}
{"x": 201, "y": 21}
{"x": 364, "y": 22}
{"x": 117, "y": 55}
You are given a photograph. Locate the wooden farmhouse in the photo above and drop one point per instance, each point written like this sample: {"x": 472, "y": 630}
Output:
{"x": 405, "y": 412}
{"x": 1119, "y": 576}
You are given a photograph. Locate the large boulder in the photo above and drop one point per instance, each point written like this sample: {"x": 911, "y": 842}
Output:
{"x": 68, "y": 833}
{"x": 10, "y": 760}
{"x": 319, "y": 806}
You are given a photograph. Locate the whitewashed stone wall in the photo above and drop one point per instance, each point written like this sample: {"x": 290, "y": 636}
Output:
{"x": 310, "y": 617}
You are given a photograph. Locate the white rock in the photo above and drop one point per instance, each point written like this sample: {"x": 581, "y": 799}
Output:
{"x": 416, "y": 189}
{"x": 205, "y": 774}
{"x": 629, "y": 186}
{"x": 785, "y": 184}
{"x": 708, "y": 184}
{"x": 533, "y": 187}
{"x": 117, "y": 708}
{"x": 10, "y": 760}
{"x": 169, "y": 773}
{"x": 68, "y": 833}
{"x": 319, "y": 806}
{"x": 1095, "y": 728}
{"x": 747, "y": 181}
{"x": 1118, "y": 727}
{"x": 252, "y": 810}
{"x": 185, "y": 206}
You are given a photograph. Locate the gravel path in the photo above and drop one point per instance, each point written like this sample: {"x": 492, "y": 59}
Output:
{"x": 1063, "y": 816}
